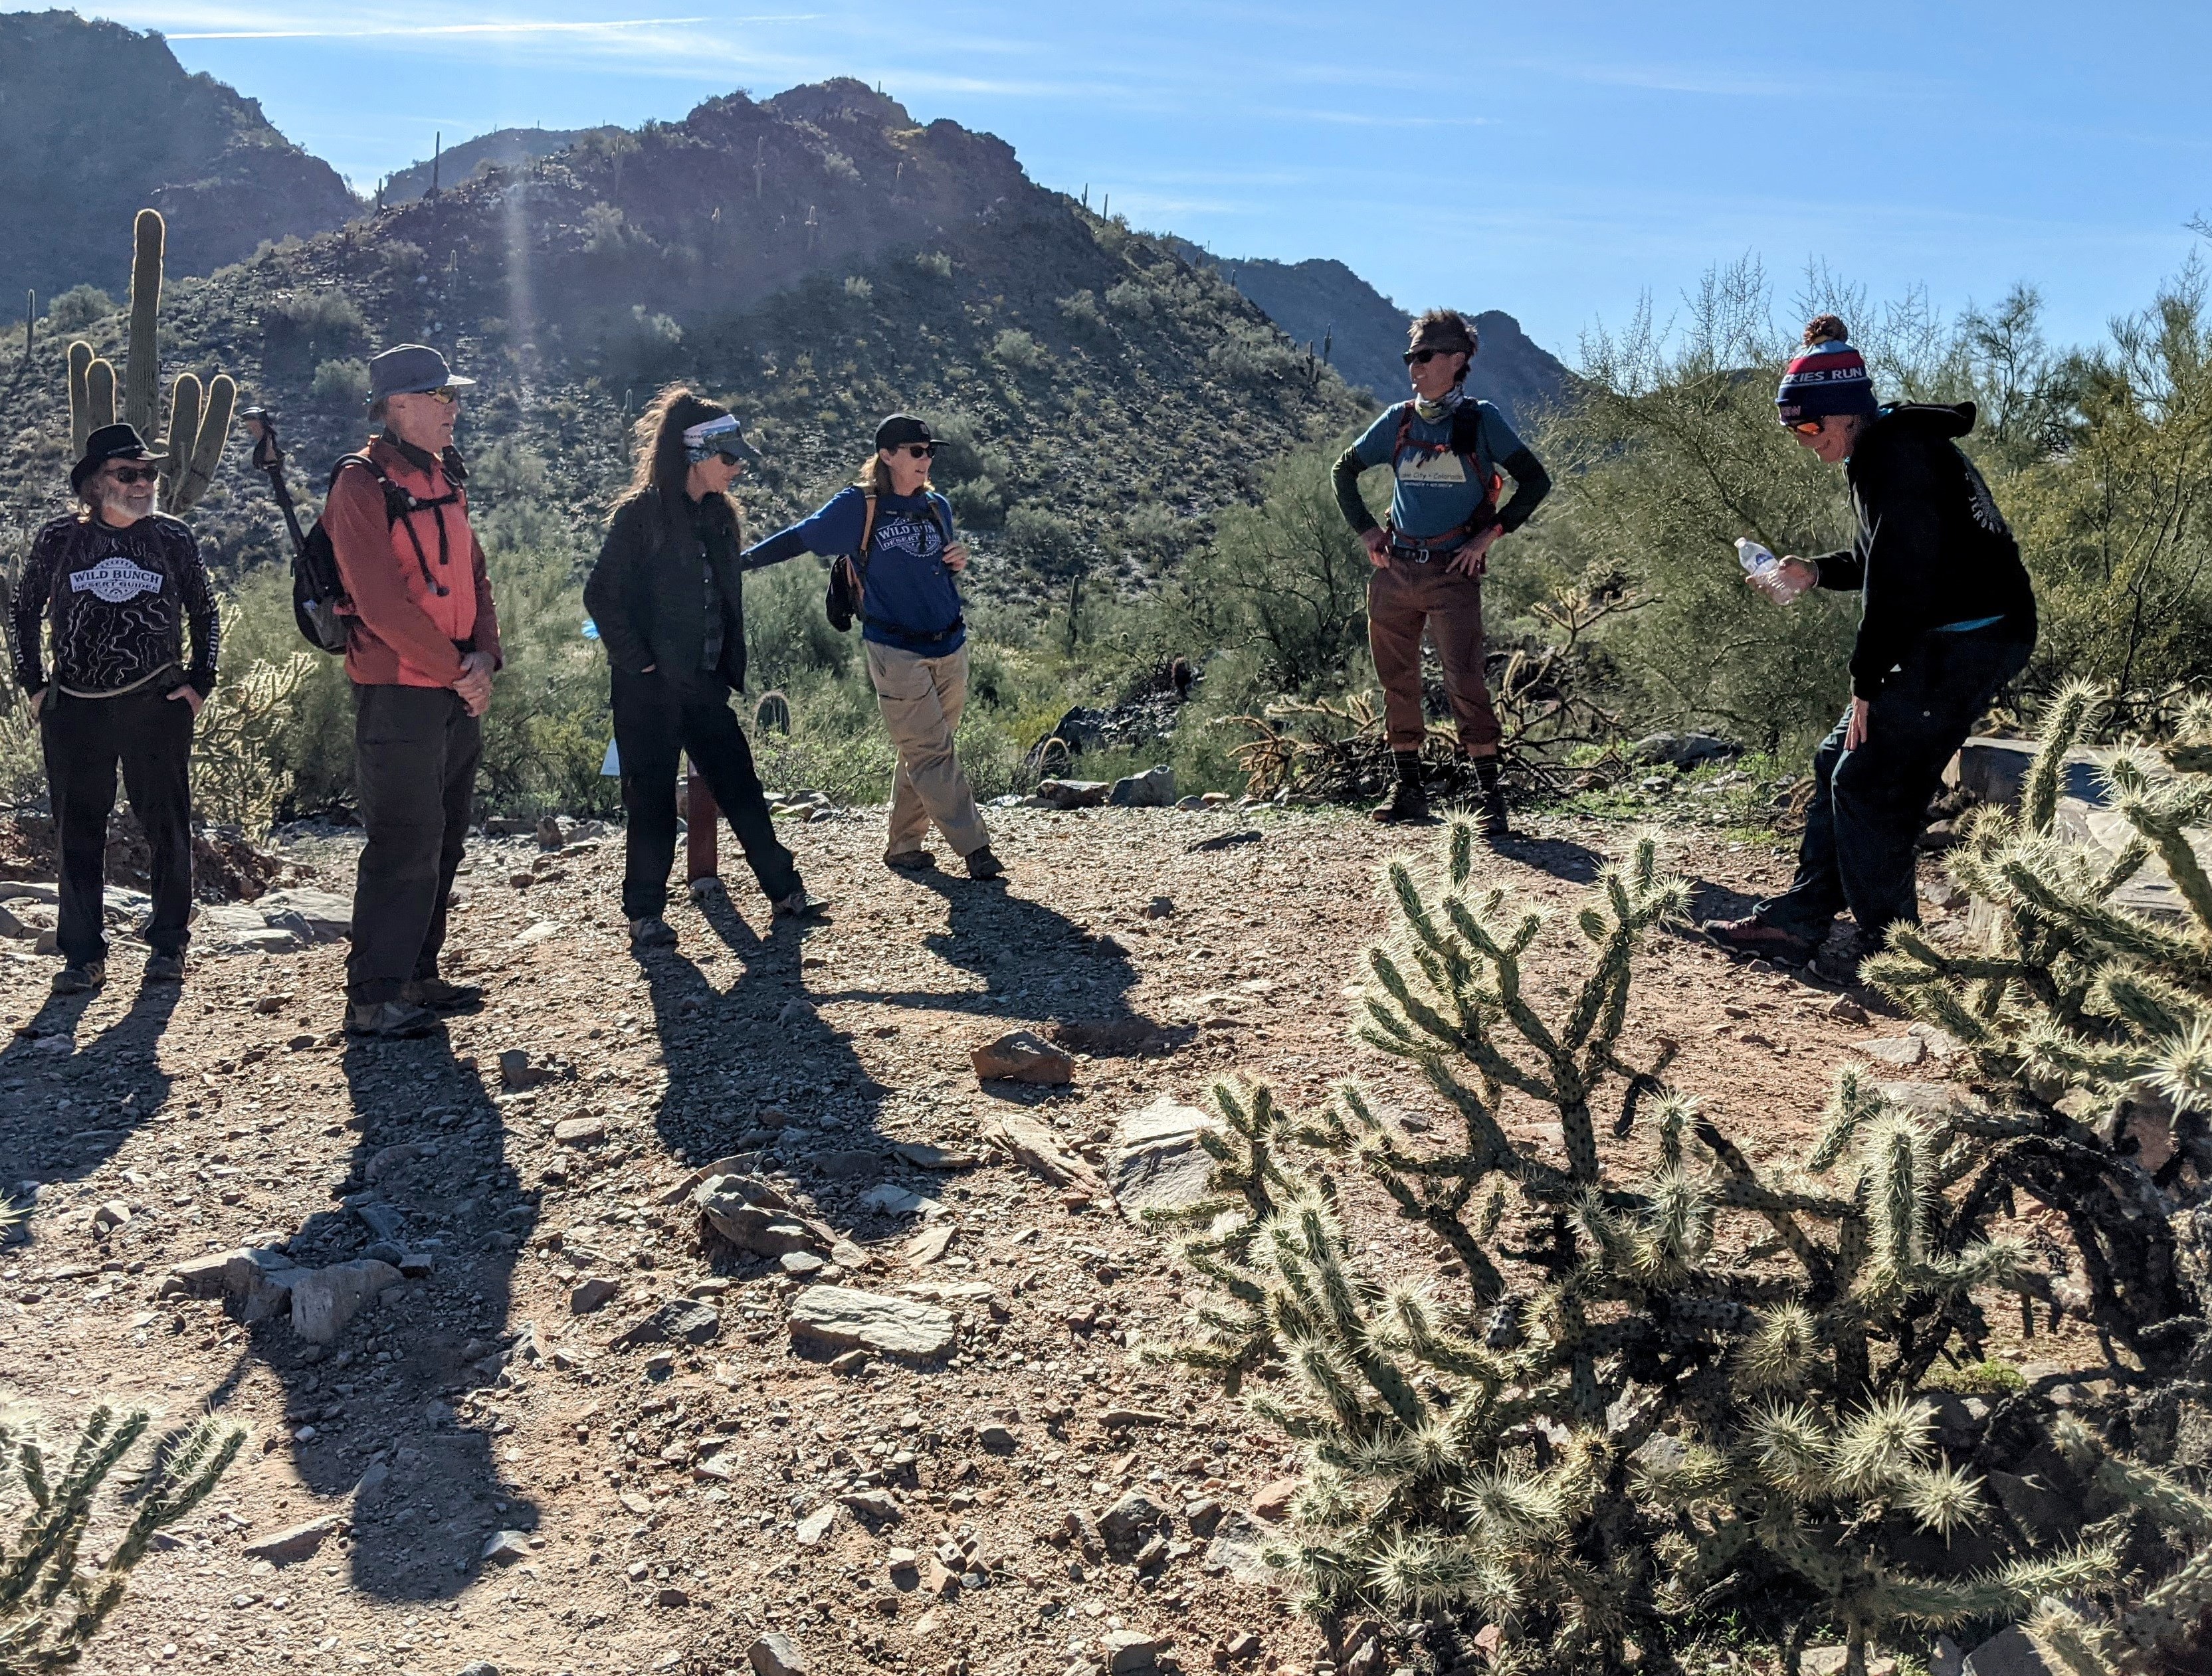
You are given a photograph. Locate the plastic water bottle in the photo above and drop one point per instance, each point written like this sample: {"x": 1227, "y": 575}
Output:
{"x": 1763, "y": 568}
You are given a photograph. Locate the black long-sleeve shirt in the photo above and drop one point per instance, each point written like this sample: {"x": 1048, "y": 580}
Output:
{"x": 119, "y": 601}
{"x": 1933, "y": 551}
{"x": 668, "y": 594}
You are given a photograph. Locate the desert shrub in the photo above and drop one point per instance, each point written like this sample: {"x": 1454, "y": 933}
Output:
{"x": 1015, "y": 349}
{"x": 343, "y": 384}
{"x": 643, "y": 347}
{"x": 859, "y": 288}
{"x": 787, "y": 632}
{"x": 838, "y": 167}
{"x": 79, "y": 307}
{"x": 320, "y": 324}
{"x": 1250, "y": 354}
{"x": 934, "y": 262}
{"x": 1130, "y": 298}
{"x": 1654, "y": 1394}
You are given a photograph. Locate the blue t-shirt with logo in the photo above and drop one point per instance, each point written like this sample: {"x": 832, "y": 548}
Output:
{"x": 907, "y": 597}
{"x": 1435, "y": 491}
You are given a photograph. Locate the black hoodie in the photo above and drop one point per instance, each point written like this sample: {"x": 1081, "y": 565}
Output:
{"x": 1933, "y": 551}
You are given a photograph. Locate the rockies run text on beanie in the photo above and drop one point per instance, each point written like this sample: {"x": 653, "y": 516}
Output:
{"x": 1828, "y": 377}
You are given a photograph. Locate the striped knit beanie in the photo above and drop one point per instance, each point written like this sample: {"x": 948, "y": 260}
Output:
{"x": 1829, "y": 376}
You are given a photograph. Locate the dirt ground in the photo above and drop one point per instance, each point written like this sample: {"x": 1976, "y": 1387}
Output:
{"x": 661, "y": 1510}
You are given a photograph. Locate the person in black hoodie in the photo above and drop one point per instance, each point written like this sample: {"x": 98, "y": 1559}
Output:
{"x": 665, "y": 596}
{"x": 1947, "y": 618}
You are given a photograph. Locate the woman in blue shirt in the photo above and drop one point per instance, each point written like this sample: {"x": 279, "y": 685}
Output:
{"x": 896, "y": 533}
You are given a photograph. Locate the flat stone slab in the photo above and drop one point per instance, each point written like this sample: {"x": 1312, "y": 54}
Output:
{"x": 839, "y": 1318}
{"x": 324, "y": 1300}
{"x": 298, "y": 1543}
{"x": 1158, "y": 1160}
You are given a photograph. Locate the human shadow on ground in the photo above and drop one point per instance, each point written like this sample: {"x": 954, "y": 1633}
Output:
{"x": 1562, "y": 857}
{"x": 62, "y": 1114}
{"x": 391, "y": 1410}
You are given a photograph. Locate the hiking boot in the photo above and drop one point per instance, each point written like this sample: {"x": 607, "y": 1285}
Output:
{"x": 910, "y": 861}
{"x": 1752, "y": 939}
{"x": 652, "y": 932}
{"x": 163, "y": 968}
{"x": 1837, "y": 961}
{"x": 440, "y": 996}
{"x": 982, "y": 864}
{"x": 389, "y": 1020}
{"x": 1407, "y": 802}
{"x": 799, "y": 905}
{"x": 81, "y": 977}
{"x": 1494, "y": 823}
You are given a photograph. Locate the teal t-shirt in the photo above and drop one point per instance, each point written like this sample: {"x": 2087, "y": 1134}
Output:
{"x": 1435, "y": 491}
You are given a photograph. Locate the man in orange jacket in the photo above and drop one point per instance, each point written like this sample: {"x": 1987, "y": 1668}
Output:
{"x": 423, "y": 645}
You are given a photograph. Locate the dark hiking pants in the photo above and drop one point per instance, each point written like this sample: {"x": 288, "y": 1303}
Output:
{"x": 414, "y": 756}
{"x": 1869, "y": 805}
{"x": 149, "y": 735}
{"x": 655, "y": 723}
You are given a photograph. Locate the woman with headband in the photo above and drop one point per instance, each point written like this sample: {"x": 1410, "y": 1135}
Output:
{"x": 666, "y": 596}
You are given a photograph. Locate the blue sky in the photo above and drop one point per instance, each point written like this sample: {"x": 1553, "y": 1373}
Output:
{"x": 1555, "y": 161}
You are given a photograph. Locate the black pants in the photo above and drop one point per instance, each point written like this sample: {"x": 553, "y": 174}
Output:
{"x": 1868, "y": 804}
{"x": 150, "y": 735}
{"x": 653, "y": 722}
{"x": 414, "y": 756}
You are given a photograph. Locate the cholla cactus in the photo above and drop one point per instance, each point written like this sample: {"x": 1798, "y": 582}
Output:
{"x": 50, "y": 1609}
{"x": 199, "y": 416}
{"x": 1621, "y": 1415}
{"x": 2086, "y": 1015}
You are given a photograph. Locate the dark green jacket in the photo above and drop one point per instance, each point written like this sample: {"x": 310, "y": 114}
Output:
{"x": 668, "y": 594}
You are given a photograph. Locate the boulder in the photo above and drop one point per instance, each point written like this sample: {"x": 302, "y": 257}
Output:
{"x": 197, "y": 1277}
{"x": 1134, "y": 1516}
{"x": 324, "y": 1300}
{"x": 1128, "y": 1651}
{"x": 1158, "y": 1159}
{"x": 746, "y": 1212}
{"x": 1033, "y": 1145}
{"x": 2008, "y": 1653}
{"x": 313, "y": 916}
{"x": 1236, "y": 1548}
{"x": 1683, "y": 750}
{"x": 1018, "y": 1056}
{"x": 839, "y": 1318}
{"x": 1155, "y": 788}
{"x": 258, "y": 1281}
{"x": 592, "y": 1294}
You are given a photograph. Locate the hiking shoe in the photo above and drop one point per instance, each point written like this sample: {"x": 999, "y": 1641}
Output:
{"x": 910, "y": 861}
{"x": 1837, "y": 961}
{"x": 389, "y": 1020}
{"x": 799, "y": 905}
{"x": 652, "y": 932}
{"x": 1494, "y": 823}
{"x": 982, "y": 864}
{"x": 440, "y": 996}
{"x": 1407, "y": 802}
{"x": 1752, "y": 939}
{"x": 80, "y": 977}
{"x": 164, "y": 968}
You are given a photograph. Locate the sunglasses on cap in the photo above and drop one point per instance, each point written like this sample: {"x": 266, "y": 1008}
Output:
{"x": 917, "y": 450}
{"x": 135, "y": 474}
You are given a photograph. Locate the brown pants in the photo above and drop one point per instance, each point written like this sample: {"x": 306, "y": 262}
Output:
{"x": 1401, "y": 600}
{"x": 922, "y": 698}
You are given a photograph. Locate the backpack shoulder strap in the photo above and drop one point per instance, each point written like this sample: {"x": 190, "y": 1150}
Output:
{"x": 867, "y": 530}
{"x": 394, "y": 496}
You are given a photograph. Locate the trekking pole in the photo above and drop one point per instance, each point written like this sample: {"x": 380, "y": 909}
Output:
{"x": 701, "y": 863}
{"x": 268, "y": 457}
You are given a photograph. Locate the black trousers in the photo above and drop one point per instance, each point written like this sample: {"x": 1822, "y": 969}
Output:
{"x": 150, "y": 736}
{"x": 1869, "y": 805}
{"x": 654, "y": 722}
{"x": 414, "y": 757}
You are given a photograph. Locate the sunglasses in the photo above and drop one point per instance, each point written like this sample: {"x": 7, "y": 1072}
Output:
{"x": 1806, "y": 427}
{"x": 918, "y": 451}
{"x": 445, "y": 395}
{"x": 1423, "y": 357}
{"x": 127, "y": 474}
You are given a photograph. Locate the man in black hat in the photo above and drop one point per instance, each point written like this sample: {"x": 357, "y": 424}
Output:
{"x": 420, "y": 651}
{"x": 118, "y": 582}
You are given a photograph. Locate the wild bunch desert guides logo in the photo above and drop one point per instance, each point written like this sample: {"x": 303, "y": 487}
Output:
{"x": 115, "y": 579}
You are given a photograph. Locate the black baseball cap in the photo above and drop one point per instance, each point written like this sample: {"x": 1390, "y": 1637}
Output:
{"x": 901, "y": 428}
{"x": 111, "y": 442}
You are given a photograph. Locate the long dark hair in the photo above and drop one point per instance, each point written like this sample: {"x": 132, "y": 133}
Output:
{"x": 661, "y": 463}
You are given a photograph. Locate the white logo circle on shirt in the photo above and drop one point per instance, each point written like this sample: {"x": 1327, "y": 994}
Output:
{"x": 115, "y": 579}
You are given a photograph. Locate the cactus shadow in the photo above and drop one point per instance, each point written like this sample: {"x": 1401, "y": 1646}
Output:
{"x": 395, "y": 1425}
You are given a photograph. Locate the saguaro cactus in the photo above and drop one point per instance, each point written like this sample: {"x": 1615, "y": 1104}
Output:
{"x": 199, "y": 416}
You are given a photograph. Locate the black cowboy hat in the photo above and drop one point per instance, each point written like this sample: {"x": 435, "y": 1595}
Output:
{"x": 111, "y": 442}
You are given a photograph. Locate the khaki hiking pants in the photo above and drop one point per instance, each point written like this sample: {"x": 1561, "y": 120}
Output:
{"x": 1401, "y": 599}
{"x": 921, "y": 700}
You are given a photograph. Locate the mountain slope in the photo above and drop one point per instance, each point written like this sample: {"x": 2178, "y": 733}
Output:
{"x": 501, "y": 148}
{"x": 1318, "y": 300}
{"x": 76, "y": 164}
{"x": 819, "y": 259}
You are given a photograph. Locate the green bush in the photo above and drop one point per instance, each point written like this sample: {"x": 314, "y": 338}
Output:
{"x": 79, "y": 307}
{"x": 343, "y": 384}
